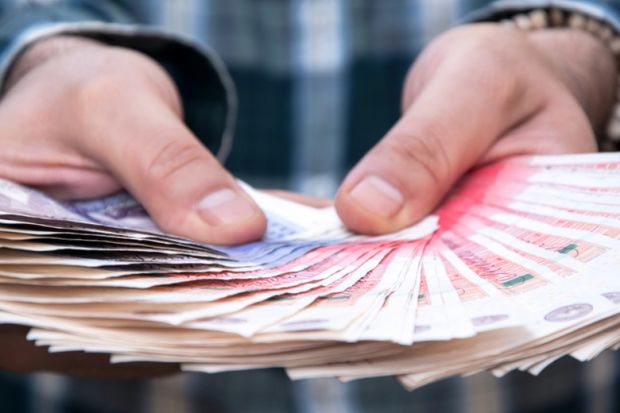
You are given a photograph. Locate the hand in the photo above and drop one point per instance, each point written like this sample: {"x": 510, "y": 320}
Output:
{"x": 476, "y": 94}
{"x": 81, "y": 119}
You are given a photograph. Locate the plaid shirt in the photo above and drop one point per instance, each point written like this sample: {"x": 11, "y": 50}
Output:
{"x": 318, "y": 83}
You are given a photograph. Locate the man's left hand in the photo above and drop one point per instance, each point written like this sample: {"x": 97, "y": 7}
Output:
{"x": 476, "y": 94}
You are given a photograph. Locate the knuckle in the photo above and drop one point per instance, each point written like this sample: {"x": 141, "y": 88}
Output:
{"x": 97, "y": 99}
{"x": 500, "y": 87}
{"x": 479, "y": 55}
{"x": 421, "y": 153}
{"x": 100, "y": 88}
{"x": 172, "y": 158}
{"x": 172, "y": 221}
{"x": 496, "y": 69}
{"x": 412, "y": 85}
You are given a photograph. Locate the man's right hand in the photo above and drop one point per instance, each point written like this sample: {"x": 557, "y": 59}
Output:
{"x": 81, "y": 120}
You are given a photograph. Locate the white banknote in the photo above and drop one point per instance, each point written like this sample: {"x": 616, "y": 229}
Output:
{"x": 514, "y": 270}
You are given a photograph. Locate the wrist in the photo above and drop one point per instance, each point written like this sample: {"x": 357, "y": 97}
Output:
{"x": 585, "y": 65}
{"x": 44, "y": 50}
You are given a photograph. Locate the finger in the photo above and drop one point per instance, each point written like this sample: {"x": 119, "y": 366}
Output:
{"x": 179, "y": 182}
{"x": 442, "y": 134}
{"x": 311, "y": 201}
{"x": 33, "y": 153}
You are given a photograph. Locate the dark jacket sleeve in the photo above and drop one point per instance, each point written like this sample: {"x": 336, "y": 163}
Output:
{"x": 205, "y": 86}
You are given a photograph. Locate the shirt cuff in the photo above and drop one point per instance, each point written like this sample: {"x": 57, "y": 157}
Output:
{"x": 206, "y": 88}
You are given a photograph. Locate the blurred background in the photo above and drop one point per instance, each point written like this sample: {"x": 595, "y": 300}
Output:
{"x": 318, "y": 82}
{"x": 566, "y": 387}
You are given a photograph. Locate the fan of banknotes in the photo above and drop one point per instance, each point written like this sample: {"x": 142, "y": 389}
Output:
{"x": 517, "y": 268}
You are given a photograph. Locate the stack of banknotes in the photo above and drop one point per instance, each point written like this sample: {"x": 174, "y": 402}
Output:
{"x": 518, "y": 267}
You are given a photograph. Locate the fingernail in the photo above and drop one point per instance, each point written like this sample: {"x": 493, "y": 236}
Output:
{"x": 377, "y": 196}
{"x": 225, "y": 206}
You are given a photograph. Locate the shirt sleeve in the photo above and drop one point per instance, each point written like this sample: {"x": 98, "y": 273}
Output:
{"x": 205, "y": 86}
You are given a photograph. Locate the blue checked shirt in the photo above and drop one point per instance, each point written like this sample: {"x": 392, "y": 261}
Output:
{"x": 304, "y": 88}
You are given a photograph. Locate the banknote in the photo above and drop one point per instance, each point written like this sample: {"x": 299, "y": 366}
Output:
{"x": 515, "y": 269}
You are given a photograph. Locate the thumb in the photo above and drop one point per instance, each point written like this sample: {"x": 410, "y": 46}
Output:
{"x": 449, "y": 126}
{"x": 179, "y": 182}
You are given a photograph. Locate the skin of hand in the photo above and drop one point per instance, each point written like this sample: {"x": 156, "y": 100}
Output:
{"x": 81, "y": 120}
{"x": 476, "y": 94}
